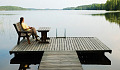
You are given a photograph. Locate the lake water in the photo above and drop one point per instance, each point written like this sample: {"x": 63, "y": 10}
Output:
{"x": 101, "y": 24}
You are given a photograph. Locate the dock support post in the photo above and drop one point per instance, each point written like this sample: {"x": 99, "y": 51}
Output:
{"x": 56, "y": 32}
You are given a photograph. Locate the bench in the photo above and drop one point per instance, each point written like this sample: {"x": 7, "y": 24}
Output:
{"x": 22, "y": 33}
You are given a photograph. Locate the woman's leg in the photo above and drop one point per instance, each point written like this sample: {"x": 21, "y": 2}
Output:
{"x": 34, "y": 32}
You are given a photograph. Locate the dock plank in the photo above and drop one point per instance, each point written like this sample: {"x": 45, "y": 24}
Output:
{"x": 60, "y": 61}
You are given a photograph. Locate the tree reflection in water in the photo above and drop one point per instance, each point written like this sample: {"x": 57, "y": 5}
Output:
{"x": 112, "y": 17}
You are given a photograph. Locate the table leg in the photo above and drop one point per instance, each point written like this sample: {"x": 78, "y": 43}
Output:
{"x": 44, "y": 37}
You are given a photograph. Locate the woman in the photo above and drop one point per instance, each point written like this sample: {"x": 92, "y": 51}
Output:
{"x": 28, "y": 28}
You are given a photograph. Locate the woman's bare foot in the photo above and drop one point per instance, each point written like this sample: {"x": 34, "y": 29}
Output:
{"x": 37, "y": 36}
{"x": 37, "y": 40}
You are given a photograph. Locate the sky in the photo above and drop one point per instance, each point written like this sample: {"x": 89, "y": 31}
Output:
{"x": 52, "y": 4}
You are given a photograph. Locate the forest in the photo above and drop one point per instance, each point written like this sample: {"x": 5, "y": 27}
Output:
{"x": 112, "y": 5}
{"x": 2, "y": 8}
{"x": 109, "y": 5}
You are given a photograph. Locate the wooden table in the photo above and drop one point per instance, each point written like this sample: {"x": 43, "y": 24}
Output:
{"x": 44, "y": 31}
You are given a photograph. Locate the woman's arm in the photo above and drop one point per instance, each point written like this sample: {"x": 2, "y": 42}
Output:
{"x": 29, "y": 27}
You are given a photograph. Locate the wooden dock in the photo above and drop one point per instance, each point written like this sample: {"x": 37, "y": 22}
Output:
{"x": 60, "y": 53}
{"x": 60, "y": 61}
{"x": 63, "y": 44}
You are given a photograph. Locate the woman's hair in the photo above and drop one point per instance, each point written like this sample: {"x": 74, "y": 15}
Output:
{"x": 21, "y": 19}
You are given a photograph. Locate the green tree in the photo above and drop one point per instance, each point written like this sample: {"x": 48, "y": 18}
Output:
{"x": 112, "y": 5}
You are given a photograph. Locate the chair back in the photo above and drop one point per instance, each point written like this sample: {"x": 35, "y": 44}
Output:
{"x": 18, "y": 27}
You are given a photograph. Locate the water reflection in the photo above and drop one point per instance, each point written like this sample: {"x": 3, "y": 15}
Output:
{"x": 93, "y": 58}
{"x": 112, "y": 17}
{"x": 7, "y": 32}
{"x": 25, "y": 59}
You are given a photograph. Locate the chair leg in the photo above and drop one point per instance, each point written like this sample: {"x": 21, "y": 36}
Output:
{"x": 28, "y": 40}
{"x": 33, "y": 36}
{"x": 23, "y": 37}
{"x": 18, "y": 40}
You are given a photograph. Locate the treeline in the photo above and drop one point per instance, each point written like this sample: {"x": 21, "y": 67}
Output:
{"x": 87, "y": 7}
{"x": 109, "y": 5}
{"x": 112, "y": 5}
{"x": 7, "y": 8}
{"x": 91, "y": 7}
{"x": 12, "y": 8}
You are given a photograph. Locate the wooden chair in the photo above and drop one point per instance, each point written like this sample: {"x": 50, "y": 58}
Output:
{"x": 22, "y": 33}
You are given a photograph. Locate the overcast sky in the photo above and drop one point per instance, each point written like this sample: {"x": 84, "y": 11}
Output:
{"x": 55, "y": 4}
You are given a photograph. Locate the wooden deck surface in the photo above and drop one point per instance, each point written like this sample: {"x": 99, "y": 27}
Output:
{"x": 60, "y": 61}
{"x": 63, "y": 44}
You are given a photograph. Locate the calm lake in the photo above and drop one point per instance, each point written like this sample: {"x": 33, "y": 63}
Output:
{"x": 101, "y": 24}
